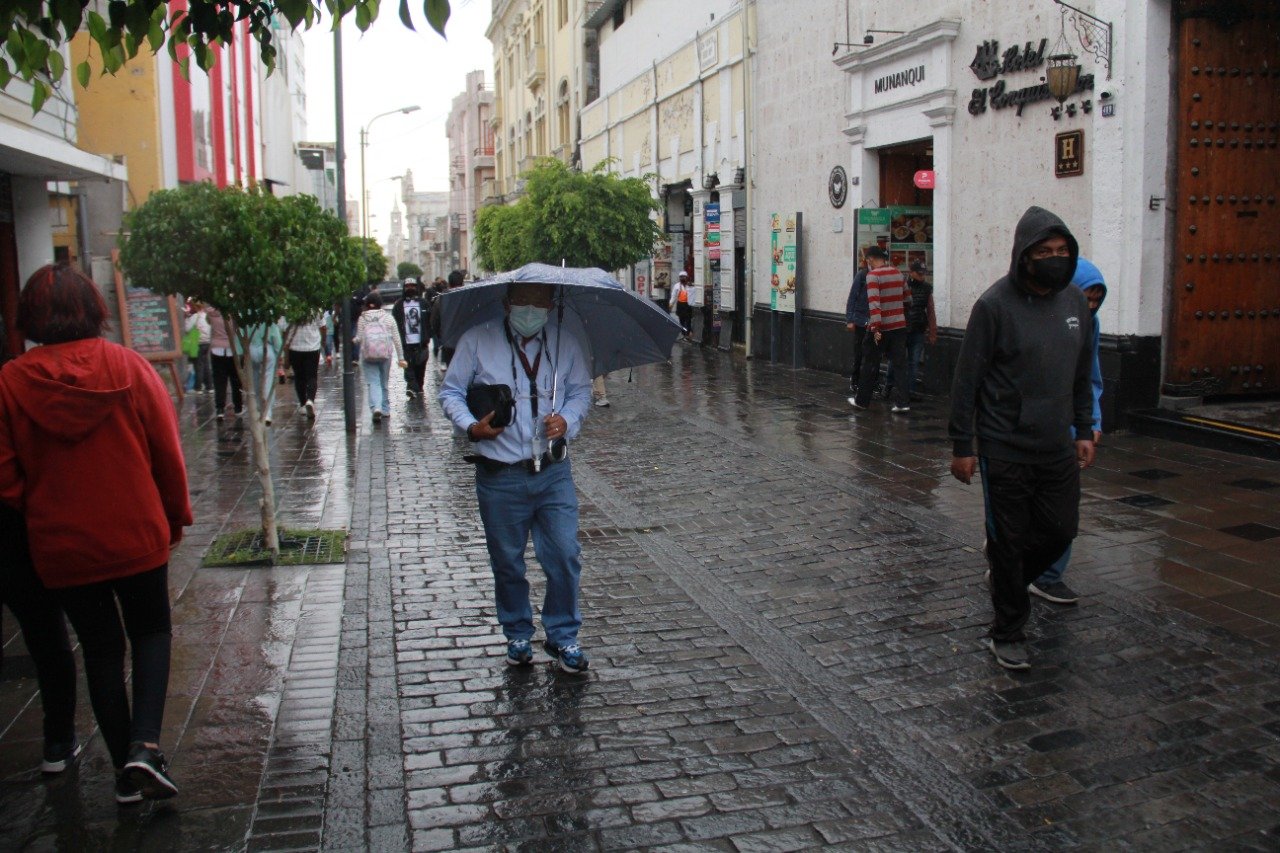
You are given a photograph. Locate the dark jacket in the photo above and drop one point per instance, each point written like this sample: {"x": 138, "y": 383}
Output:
{"x": 424, "y": 332}
{"x": 856, "y": 310}
{"x": 1022, "y": 380}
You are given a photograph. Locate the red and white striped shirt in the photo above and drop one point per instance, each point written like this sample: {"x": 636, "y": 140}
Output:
{"x": 885, "y": 289}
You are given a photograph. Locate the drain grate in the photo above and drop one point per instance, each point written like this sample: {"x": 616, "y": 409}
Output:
{"x": 297, "y": 548}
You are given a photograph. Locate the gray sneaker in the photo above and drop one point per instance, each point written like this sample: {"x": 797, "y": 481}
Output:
{"x": 1058, "y": 593}
{"x": 1010, "y": 655}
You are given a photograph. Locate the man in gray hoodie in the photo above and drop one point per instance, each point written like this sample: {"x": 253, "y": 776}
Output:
{"x": 1022, "y": 384}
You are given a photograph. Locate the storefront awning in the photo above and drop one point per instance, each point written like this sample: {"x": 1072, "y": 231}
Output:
{"x": 28, "y": 152}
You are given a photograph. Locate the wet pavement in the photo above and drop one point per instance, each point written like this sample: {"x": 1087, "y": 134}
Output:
{"x": 783, "y": 604}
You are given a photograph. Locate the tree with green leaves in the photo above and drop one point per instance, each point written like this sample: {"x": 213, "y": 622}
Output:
{"x": 376, "y": 263}
{"x": 408, "y": 269}
{"x": 256, "y": 258}
{"x": 32, "y": 31}
{"x": 581, "y": 219}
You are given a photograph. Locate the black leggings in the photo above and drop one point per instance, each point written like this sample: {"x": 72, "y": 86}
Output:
{"x": 43, "y": 630}
{"x": 143, "y": 601}
{"x": 305, "y": 366}
{"x": 224, "y": 370}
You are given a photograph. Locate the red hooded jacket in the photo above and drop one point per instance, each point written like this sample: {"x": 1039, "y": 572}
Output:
{"x": 89, "y": 452}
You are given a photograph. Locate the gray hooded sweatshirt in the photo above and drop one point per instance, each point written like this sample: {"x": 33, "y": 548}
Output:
{"x": 1023, "y": 377}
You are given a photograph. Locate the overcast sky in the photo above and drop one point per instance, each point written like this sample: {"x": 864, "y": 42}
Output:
{"x": 390, "y": 67}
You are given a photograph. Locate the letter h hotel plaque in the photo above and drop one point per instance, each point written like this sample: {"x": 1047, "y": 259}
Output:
{"x": 1068, "y": 154}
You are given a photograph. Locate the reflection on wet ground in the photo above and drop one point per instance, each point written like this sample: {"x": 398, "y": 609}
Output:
{"x": 783, "y": 604}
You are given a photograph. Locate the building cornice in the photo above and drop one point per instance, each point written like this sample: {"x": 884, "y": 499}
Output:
{"x": 930, "y": 34}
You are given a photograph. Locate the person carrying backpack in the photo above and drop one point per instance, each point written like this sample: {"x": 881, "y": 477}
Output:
{"x": 378, "y": 339}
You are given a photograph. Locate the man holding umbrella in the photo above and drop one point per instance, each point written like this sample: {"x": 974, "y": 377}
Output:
{"x": 524, "y": 482}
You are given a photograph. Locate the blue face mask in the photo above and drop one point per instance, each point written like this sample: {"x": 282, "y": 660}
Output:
{"x": 527, "y": 320}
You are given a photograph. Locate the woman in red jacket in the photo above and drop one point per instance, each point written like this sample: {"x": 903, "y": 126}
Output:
{"x": 89, "y": 452}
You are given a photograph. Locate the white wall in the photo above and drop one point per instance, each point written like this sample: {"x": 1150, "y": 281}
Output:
{"x": 652, "y": 30}
{"x": 33, "y": 225}
{"x": 799, "y": 107}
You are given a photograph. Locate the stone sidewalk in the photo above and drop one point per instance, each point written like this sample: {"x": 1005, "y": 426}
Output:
{"x": 783, "y": 606}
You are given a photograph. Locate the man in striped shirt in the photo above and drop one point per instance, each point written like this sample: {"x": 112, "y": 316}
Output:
{"x": 886, "y": 330}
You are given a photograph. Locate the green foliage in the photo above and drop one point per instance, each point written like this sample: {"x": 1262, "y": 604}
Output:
{"x": 585, "y": 219}
{"x": 375, "y": 262}
{"x": 31, "y": 31}
{"x": 253, "y": 256}
{"x": 408, "y": 269}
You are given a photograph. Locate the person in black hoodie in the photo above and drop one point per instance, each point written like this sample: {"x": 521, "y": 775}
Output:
{"x": 1022, "y": 384}
{"x": 410, "y": 314}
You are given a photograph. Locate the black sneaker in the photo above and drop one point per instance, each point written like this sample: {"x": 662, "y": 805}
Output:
{"x": 149, "y": 773}
{"x": 1058, "y": 593}
{"x": 59, "y": 756}
{"x": 570, "y": 656}
{"x": 127, "y": 793}
{"x": 377, "y": 417}
{"x": 1010, "y": 655}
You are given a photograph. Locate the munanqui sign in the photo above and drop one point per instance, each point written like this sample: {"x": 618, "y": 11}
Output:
{"x": 899, "y": 79}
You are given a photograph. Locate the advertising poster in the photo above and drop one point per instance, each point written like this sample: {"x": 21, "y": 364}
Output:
{"x": 782, "y": 262}
{"x": 906, "y": 233}
{"x": 728, "y": 272}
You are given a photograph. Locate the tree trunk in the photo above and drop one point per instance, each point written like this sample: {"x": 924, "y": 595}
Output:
{"x": 255, "y": 410}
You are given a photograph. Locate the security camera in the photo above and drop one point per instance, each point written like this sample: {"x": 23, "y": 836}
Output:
{"x": 868, "y": 39}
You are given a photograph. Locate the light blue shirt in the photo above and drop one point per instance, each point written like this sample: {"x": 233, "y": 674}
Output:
{"x": 484, "y": 357}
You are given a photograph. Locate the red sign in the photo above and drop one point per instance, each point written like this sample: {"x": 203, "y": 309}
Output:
{"x": 924, "y": 179}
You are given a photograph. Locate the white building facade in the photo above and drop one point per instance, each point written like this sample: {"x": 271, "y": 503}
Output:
{"x": 672, "y": 108}
{"x": 471, "y": 165}
{"x": 934, "y": 140}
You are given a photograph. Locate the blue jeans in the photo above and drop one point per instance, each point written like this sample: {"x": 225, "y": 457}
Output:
{"x": 1054, "y": 573}
{"x": 377, "y": 375}
{"x": 514, "y": 503}
{"x": 915, "y": 357}
{"x": 257, "y": 375}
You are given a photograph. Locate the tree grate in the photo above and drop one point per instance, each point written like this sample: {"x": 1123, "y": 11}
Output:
{"x": 297, "y": 548}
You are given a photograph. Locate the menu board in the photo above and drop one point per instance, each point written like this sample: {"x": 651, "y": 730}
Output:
{"x": 783, "y": 242}
{"x": 148, "y": 320}
{"x": 906, "y": 233}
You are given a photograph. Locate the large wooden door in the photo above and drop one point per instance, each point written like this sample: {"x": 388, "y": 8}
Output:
{"x": 1224, "y": 334}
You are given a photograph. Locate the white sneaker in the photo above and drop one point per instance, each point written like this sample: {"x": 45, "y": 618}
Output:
{"x": 311, "y": 409}
{"x": 853, "y": 401}
{"x": 603, "y": 403}
{"x": 900, "y": 409}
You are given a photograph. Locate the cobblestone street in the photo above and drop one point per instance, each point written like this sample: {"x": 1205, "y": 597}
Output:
{"x": 783, "y": 604}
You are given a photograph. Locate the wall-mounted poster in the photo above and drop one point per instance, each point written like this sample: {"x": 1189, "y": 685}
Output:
{"x": 784, "y": 241}
{"x": 906, "y": 233}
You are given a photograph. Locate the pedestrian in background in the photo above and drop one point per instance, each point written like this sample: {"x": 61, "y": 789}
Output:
{"x": 411, "y": 315}
{"x": 200, "y": 363}
{"x": 265, "y": 344}
{"x": 377, "y": 337}
{"x": 328, "y": 327}
{"x": 922, "y": 326}
{"x": 678, "y": 303}
{"x": 44, "y": 633}
{"x": 856, "y": 318}
{"x": 224, "y": 365}
{"x": 304, "y": 359}
{"x": 599, "y": 393}
{"x": 1022, "y": 383}
{"x": 1088, "y": 278}
{"x": 886, "y": 329}
{"x": 89, "y": 449}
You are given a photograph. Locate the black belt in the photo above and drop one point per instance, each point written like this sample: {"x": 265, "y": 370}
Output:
{"x": 493, "y": 466}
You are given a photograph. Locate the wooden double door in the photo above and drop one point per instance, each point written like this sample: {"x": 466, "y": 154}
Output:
{"x": 1224, "y": 329}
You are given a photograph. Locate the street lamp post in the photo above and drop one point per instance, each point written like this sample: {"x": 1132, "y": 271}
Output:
{"x": 364, "y": 143}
